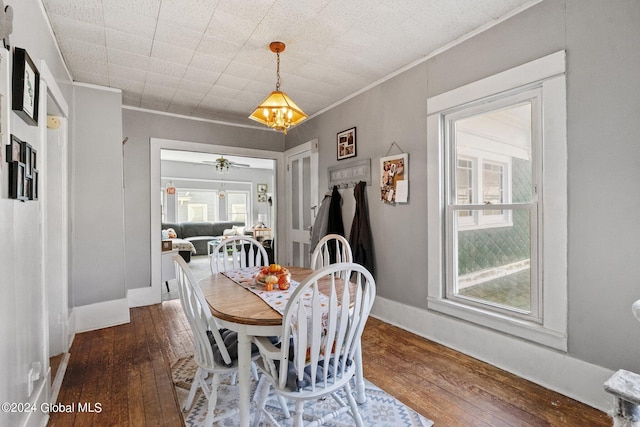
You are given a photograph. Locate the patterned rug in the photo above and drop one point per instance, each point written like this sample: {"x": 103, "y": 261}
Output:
{"x": 380, "y": 410}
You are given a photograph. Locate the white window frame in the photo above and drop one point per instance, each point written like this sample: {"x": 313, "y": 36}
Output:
{"x": 546, "y": 74}
{"x": 247, "y": 195}
{"x": 478, "y": 160}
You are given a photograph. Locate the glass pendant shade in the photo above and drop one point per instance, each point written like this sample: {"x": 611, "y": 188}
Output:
{"x": 278, "y": 111}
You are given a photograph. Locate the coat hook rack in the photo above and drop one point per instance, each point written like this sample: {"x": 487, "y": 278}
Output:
{"x": 344, "y": 185}
{"x": 345, "y": 174}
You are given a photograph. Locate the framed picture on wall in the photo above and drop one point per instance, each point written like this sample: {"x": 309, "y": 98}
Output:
{"x": 17, "y": 181}
{"x": 33, "y": 190}
{"x": 346, "y": 141}
{"x": 394, "y": 178}
{"x": 28, "y": 167}
{"x": 15, "y": 150}
{"x": 26, "y": 87}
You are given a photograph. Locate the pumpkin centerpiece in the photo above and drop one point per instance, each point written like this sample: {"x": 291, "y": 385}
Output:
{"x": 274, "y": 275}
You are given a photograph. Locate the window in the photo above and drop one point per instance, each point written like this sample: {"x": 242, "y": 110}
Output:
{"x": 489, "y": 231}
{"x": 237, "y": 207}
{"x": 497, "y": 244}
{"x": 196, "y": 205}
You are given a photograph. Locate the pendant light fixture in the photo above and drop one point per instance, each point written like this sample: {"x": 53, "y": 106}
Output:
{"x": 278, "y": 111}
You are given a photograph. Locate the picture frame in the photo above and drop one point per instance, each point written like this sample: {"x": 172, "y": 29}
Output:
{"x": 346, "y": 143}
{"x": 17, "y": 181}
{"x": 15, "y": 150}
{"x": 394, "y": 178}
{"x": 34, "y": 159}
{"x": 28, "y": 167}
{"x": 26, "y": 87}
{"x": 262, "y": 188}
{"x": 34, "y": 185}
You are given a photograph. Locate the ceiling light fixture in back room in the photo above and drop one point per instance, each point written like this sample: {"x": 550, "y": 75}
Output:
{"x": 278, "y": 111}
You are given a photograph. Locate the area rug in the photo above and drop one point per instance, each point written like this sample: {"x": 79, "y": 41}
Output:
{"x": 380, "y": 410}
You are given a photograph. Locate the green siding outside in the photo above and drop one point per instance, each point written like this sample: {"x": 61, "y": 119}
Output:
{"x": 492, "y": 247}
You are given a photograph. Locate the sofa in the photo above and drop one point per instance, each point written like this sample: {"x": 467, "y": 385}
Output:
{"x": 199, "y": 233}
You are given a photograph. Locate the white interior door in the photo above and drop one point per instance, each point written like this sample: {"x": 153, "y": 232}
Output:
{"x": 302, "y": 192}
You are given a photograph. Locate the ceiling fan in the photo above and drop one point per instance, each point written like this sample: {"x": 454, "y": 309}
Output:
{"x": 223, "y": 165}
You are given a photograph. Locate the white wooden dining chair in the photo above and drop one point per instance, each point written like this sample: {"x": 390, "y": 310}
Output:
{"x": 212, "y": 356}
{"x": 322, "y": 332}
{"x": 331, "y": 245}
{"x": 237, "y": 252}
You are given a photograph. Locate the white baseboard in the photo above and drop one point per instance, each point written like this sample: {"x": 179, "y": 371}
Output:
{"x": 71, "y": 329}
{"x": 100, "y": 315}
{"x": 144, "y": 296}
{"x": 554, "y": 370}
{"x": 39, "y": 397}
{"x": 56, "y": 383}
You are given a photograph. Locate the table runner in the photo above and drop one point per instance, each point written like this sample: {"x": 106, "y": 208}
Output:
{"x": 276, "y": 299}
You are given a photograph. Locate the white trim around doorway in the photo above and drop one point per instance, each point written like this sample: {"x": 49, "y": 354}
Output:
{"x": 152, "y": 294}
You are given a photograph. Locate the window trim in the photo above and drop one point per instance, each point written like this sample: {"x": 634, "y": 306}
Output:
{"x": 549, "y": 74}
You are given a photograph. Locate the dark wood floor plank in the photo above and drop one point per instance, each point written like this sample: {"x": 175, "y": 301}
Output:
{"x": 511, "y": 399}
{"x": 128, "y": 366}
{"x": 119, "y": 409}
{"x": 458, "y": 381}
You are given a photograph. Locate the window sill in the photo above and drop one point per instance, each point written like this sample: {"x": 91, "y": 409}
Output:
{"x": 529, "y": 331}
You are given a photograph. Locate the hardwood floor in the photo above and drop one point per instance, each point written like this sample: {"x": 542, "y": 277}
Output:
{"x": 126, "y": 370}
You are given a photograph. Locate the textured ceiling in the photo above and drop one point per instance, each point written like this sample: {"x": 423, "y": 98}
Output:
{"x": 210, "y": 58}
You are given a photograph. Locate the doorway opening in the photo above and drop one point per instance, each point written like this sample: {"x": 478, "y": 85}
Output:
{"x": 152, "y": 294}
{"x": 207, "y": 195}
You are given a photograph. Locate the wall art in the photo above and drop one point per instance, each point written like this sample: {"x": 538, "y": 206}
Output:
{"x": 26, "y": 87}
{"x": 17, "y": 181}
{"x": 346, "y": 144}
{"x": 394, "y": 178}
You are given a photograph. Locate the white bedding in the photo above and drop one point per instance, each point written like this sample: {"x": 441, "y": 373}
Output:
{"x": 183, "y": 245}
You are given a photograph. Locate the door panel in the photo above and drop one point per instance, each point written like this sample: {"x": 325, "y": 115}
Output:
{"x": 302, "y": 188}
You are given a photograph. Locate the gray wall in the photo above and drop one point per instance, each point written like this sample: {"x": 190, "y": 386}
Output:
{"x": 97, "y": 244}
{"x": 139, "y": 127}
{"x": 603, "y": 98}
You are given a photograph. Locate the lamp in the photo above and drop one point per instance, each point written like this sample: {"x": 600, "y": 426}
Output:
{"x": 278, "y": 111}
{"x": 171, "y": 189}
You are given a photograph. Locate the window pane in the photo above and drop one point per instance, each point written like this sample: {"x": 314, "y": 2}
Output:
{"x": 494, "y": 264}
{"x": 295, "y": 199}
{"x": 499, "y": 138}
{"x": 197, "y": 205}
{"x": 237, "y": 206}
{"x": 306, "y": 196}
{"x": 492, "y": 186}
{"x": 296, "y": 254}
{"x": 464, "y": 188}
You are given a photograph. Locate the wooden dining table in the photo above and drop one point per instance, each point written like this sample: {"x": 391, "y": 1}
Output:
{"x": 237, "y": 308}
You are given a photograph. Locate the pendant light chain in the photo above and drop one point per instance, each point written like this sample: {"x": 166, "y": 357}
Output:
{"x": 278, "y": 72}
